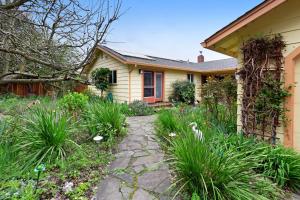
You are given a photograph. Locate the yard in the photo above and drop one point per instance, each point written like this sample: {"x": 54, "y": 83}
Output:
{"x": 54, "y": 138}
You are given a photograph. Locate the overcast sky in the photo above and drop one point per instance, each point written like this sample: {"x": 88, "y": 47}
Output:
{"x": 173, "y": 28}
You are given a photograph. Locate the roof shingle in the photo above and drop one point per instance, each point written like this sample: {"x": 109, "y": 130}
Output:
{"x": 216, "y": 65}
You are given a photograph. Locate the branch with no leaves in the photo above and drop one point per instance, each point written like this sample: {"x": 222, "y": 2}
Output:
{"x": 52, "y": 37}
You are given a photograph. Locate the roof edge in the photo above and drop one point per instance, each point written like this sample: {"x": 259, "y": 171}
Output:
{"x": 241, "y": 21}
{"x": 117, "y": 56}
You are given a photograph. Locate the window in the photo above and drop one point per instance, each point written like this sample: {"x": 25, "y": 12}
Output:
{"x": 190, "y": 78}
{"x": 113, "y": 77}
{"x": 148, "y": 84}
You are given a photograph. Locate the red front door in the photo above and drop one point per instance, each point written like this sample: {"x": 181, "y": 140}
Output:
{"x": 153, "y": 86}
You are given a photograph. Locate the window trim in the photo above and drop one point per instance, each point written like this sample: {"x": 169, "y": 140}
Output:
{"x": 113, "y": 77}
{"x": 190, "y": 77}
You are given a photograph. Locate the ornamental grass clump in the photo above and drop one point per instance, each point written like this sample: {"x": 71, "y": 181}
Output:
{"x": 104, "y": 119}
{"x": 46, "y": 137}
{"x": 282, "y": 166}
{"x": 216, "y": 172}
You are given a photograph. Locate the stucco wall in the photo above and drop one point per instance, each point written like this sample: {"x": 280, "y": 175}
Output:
{"x": 120, "y": 89}
{"x": 284, "y": 20}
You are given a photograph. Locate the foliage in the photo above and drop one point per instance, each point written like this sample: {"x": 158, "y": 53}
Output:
{"x": 282, "y": 165}
{"x": 83, "y": 166}
{"x": 263, "y": 90}
{"x": 18, "y": 189}
{"x": 224, "y": 166}
{"x": 218, "y": 174}
{"x": 74, "y": 101}
{"x": 46, "y": 137}
{"x": 104, "y": 119}
{"x": 219, "y": 98}
{"x": 183, "y": 91}
{"x": 195, "y": 196}
{"x": 270, "y": 99}
{"x": 100, "y": 79}
{"x": 140, "y": 108}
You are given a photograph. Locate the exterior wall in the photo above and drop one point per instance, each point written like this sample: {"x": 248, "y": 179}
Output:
{"x": 198, "y": 85}
{"x": 172, "y": 76}
{"x": 284, "y": 20}
{"x": 297, "y": 106}
{"x": 120, "y": 89}
{"x": 136, "y": 85}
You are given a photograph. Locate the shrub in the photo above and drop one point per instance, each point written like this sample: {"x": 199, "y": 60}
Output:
{"x": 18, "y": 189}
{"x": 216, "y": 173}
{"x": 183, "y": 91}
{"x": 104, "y": 119}
{"x": 124, "y": 109}
{"x": 92, "y": 96}
{"x": 140, "y": 108}
{"x": 282, "y": 165}
{"x": 46, "y": 137}
{"x": 74, "y": 101}
{"x": 100, "y": 78}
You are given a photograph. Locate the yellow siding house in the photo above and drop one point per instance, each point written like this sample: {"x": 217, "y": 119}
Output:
{"x": 150, "y": 78}
{"x": 266, "y": 19}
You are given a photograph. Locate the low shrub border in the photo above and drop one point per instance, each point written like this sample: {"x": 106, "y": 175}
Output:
{"x": 224, "y": 166}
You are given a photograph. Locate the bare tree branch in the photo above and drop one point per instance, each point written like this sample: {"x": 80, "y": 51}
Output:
{"x": 13, "y": 4}
{"x": 52, "y": 38}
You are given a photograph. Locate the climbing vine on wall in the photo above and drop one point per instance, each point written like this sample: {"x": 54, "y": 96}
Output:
{"x": 263, "y": 87}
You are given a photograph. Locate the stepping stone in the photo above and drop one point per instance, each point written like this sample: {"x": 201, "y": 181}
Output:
{"x": 120, "y": 163}
{"x": 151, "y": 180}
{"x": 141, "y": 194}
{"x": 109, "y": 189}
{"x": 139, "y": 164}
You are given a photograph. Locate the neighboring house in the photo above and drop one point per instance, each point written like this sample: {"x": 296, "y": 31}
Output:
{"x": 268, "y": 18}
{"x": 149, "y": 78}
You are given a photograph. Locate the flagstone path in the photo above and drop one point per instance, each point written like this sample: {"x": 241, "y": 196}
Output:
{"x": 138, "y": 172}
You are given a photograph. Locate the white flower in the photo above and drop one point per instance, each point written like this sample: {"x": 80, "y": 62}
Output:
{"x": 172, "y": 134}
{"x": 98, "y": 138}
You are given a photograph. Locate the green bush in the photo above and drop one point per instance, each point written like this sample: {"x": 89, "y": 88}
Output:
{"x": 104, "y": 119}
{"x": 100, "y": 78}
{"x": 225, "y": 166}
{"x": 216, "y": 173}
{"x": 140, "y": 108}
{"x": 45, "y": 137}
{"x": 282, "y": 165}
{"x": 18, "y": 189}
{"x": 74, "y": 101}
{"x": 183, "y": 91}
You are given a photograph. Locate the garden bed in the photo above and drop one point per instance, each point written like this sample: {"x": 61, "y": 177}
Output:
{"x": 221, "y": 164}
{"x": 66, "y": 126}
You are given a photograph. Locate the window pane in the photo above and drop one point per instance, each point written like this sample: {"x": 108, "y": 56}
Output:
{"x": 115, "y": 76}
{"x": 148, "y": 92}
{"x": 110, "y": 78}
{"x": 158, "y": 85}
{"x": 148, "y": 79}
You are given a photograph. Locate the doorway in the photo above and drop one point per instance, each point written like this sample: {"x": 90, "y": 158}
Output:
{"x": 153, "y": 83}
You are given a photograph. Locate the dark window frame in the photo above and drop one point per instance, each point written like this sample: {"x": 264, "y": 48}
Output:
{"x": 112, "y": 79}
{"x": 190, "y": 78}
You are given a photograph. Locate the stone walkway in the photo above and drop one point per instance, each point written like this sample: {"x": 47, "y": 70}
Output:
{"x": 138, "y": 172}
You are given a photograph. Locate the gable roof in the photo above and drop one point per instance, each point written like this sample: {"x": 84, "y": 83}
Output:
{"x": 246, "y": 18}
{"x": 223, "y": 65}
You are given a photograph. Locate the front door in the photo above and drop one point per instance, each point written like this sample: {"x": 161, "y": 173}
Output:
{"x": 153, "y": 86}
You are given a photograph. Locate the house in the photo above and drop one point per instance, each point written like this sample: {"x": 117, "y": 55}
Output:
{"x": 266, "y": 19}
{"x": 150, "y": 78}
